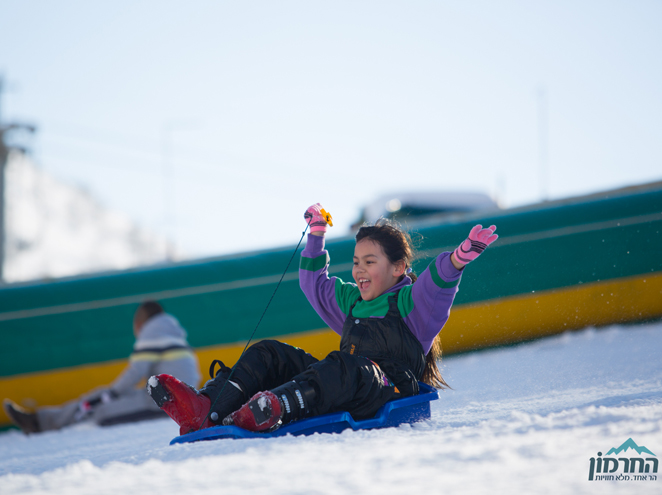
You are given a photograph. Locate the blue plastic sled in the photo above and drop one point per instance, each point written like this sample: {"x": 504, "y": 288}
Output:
{"x": 394, "y": 413}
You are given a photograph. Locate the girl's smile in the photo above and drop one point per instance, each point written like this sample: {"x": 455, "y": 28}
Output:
{"x": 372, "y": 271}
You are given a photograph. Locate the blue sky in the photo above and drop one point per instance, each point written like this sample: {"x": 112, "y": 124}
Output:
{"x": 242, "y": 114}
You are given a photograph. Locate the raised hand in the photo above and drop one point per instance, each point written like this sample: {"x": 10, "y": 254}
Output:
{"x": 318, "y": 218}
{"x": 471, "y": 248}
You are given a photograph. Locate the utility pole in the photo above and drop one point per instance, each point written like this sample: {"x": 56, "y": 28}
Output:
{"x": 169, "y": 190}
{"x": 543, "y": 136}
{"x": 5, "y": 148}
{"x": 169, "y": 211}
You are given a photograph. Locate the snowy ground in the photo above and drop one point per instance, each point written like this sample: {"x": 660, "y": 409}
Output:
{"x": 522, "y": 419}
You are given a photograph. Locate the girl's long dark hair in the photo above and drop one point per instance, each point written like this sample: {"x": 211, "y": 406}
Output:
{"x": 398, "y": 246}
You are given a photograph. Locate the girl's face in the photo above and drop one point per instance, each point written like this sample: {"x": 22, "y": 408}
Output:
{"x": 372, "y": 271}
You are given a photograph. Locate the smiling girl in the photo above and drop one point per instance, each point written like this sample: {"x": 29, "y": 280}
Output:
{"x": 388, "y": 326}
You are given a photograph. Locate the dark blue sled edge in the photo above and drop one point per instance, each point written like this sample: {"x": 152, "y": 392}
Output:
{"x": 393, "y": 413}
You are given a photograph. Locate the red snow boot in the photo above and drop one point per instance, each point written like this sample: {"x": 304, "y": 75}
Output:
{"x": 262, "y": 412}
{"x": 268, "y": 410}
{"x": 181, "y": 402}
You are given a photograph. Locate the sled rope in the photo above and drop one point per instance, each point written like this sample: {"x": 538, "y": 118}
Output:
{"x": 256, "y": 326}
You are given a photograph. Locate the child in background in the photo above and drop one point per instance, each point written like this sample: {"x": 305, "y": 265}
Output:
{"x": 161, "y": 346}
{"x": 388, "y": 326}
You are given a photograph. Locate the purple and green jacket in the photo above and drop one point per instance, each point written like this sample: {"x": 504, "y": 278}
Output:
{"x": 424, "y": 305}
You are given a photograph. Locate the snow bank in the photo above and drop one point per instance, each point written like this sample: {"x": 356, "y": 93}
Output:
{"x": 522, "y": 419}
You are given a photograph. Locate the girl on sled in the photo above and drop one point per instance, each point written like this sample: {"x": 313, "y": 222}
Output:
{"x": 388, "y": 326}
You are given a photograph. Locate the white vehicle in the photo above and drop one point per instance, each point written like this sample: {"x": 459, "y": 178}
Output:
{"x": 413, "y": 206}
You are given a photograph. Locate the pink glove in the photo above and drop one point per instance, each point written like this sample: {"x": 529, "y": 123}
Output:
{"x": 479, "y": 238}
{"x": 318, "y": 218}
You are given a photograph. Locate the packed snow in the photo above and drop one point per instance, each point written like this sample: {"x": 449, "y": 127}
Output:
{"x": 520, "y": 419}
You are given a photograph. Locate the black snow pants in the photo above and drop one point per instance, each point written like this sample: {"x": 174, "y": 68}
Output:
{"x": 342, "y": 381}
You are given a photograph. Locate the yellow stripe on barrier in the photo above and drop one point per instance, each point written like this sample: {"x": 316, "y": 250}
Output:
{"x": 520, "y": 318}
{"x": 55, "y": 387}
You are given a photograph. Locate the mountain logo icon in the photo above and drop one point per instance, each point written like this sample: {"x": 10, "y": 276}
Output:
{"x": 634, "y": 462}
{"x": 629, "y": 444}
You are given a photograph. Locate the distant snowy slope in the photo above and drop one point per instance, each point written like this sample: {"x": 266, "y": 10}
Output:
{"x": 524, "y": 419}
{"x": 56, "y": 229}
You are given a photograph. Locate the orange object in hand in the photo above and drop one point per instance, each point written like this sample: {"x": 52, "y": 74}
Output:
{"x": 327, "y": 216}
